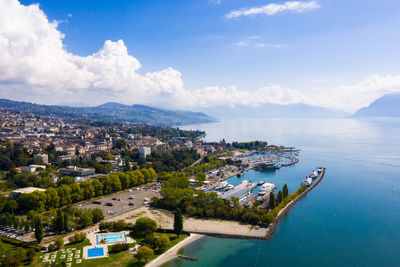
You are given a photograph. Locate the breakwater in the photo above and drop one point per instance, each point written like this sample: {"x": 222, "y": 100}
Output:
{"x": 271, "y": 229}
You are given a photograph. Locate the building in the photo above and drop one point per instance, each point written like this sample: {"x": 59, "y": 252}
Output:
{"x": 31, "y": 168}
{"x": 144, "y": 151}
{"x": 43, "y": 158}
{"x": 26, "y": 190}
{"x": 74, "y": 171}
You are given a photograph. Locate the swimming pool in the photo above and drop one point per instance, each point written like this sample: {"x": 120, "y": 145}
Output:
{"x": 111, "y": 237}
{"x": 95, "y": 252}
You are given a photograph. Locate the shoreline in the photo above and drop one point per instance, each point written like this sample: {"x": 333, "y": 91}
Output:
{"x": 172, "y": 253}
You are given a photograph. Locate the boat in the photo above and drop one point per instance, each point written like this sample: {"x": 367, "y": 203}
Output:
{"x": 260, "y": 182}
{"x": 267, "y": 166}
{"x": 266, "y": 188}
{"x": 229, "y": 187}
{"x": 222, "y": 185}
{"x": 313, "y": 175}
{"x": 307, "y": 181}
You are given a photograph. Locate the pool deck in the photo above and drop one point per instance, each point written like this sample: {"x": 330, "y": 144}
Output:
{"x": 85, "y": 252}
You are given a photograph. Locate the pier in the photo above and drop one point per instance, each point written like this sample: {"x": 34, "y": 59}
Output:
{"x": 285, "y": 210}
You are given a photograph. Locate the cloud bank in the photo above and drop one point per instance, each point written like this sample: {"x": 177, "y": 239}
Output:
{"x": 35, "y": 66}
{"x": 275, "y": 9}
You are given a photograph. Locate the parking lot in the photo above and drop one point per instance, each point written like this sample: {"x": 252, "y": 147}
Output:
{"x": 121, "y": 202}
{"x": 11, "y": 232}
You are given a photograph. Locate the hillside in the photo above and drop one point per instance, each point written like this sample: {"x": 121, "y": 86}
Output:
{"x": 112, "y": 112}
{"x": 385, "y": 106}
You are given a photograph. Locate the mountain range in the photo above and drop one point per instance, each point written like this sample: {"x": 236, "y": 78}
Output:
{"x": 385, "y": 106}
{"x": 112, "y": 112}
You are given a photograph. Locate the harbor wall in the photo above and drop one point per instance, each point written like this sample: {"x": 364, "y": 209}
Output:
{"x": 271, "y": 229}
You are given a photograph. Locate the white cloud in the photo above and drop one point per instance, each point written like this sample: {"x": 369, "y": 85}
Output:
{"x": 35, "y": 66}
{"x": 274, "y": 9}
{"x": 255, "y": 41}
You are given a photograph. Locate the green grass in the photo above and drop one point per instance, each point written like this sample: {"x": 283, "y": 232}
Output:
{"x": 114, "y": 259}
{"x": 8, "y": 247}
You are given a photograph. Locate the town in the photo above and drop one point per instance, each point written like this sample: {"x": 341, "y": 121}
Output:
{"x": 65, "y": 180}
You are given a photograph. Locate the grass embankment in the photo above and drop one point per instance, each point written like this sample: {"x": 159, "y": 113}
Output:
{"x": 114, "y": 259}
{"x": 274, "y": 213}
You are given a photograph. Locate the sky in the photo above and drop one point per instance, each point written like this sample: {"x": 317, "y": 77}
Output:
{"x": 195, "y": 54}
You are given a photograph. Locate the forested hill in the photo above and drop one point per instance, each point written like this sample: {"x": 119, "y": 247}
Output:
{"x": 112, "y": 112}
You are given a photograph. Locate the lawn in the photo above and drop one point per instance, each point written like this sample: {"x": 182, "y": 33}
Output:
{"x": 8, "y": 247}
{"x": 116, "y": 259}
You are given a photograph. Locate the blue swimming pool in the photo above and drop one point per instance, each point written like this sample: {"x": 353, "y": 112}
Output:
{"x": 111, "y": 237}
{"x": 95, "y": 252}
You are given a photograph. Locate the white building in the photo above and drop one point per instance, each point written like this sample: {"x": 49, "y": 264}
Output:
{"x": 144, "y": 151}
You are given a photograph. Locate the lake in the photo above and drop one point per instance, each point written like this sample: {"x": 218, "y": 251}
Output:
{"x": 351, "y": 218}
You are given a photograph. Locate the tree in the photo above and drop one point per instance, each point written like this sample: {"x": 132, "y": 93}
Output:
{"x": 280, "y": 196}
{"x": 145, "y": 226}
{"x": 178, "y": 222}
{"x": 85, "y": 219}
{"x": 59, "y": 242}
{"x": 58, "y": 221}
{"x": 285, "y": 191}
{"x": 144, "y": 254}
{"x": 272, "y": 204}
{"x": 97, "y": 215}
{"x": 120, "y": 143}
{"x": 38, "y": 228}
{"x": 200, "y": 178}
{"x": 162, "y": 243}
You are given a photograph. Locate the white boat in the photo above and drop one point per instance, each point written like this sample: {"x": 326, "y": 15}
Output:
{"x": 229, "y": 187}
{"x": 266, "y": 188}
{"x": 313, "y": 175}
{"x": 244, "y": 182}
{"x": 222, "y": 184}
{"x": 307, "y": 181}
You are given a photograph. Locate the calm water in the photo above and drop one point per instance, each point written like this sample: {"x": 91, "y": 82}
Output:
{"x": 352, "y": 218}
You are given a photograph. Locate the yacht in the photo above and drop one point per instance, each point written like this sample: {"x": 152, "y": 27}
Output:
{"x": 313, "y": 175}
{"x": 307, "y": 181}
{"x": 222, "y": 185}
{"x": 266, "y": 188}
{"x": 229, "y": 187}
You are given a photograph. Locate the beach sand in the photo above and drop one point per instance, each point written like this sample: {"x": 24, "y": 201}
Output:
{"x": 172, "y": 253}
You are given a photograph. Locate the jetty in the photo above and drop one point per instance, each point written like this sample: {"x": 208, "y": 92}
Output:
{"x": 271, "y": 229}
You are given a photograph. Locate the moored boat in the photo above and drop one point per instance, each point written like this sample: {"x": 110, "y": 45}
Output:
{"x": 266, "y": 188}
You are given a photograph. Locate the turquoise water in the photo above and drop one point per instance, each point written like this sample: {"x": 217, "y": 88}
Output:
{"x": 110, "y": 238}
{"x": 350, "y": 219}
{"x": 95, "y": 252}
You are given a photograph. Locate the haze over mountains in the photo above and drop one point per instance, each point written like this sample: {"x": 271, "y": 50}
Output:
{"x": 274, "y": 110}
{"x": 113, "y": 112}
{"x": 385, "y": 106}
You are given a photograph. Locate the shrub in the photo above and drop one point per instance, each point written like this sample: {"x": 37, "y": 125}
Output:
{"x": 77, "y": 238}
{"x": 144, "y": 254}
{"x": 118, "y": 248}
{"x": 145, "y": 226}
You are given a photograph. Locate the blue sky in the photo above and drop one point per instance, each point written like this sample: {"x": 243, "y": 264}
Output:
{"x": 340, "y": 43}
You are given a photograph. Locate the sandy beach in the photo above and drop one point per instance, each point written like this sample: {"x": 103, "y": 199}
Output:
{"x": 171, "y": 253}
{"x": 165, "y": 220}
